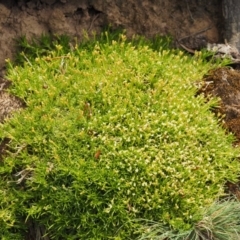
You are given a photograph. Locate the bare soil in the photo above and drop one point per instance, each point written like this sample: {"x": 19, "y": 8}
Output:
{"x": 224, "y": 83}
{"x": 192, "y": 23}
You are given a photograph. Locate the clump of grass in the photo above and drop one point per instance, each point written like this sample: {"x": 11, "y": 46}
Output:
{"x": 219, "y": 221}
{"x": 112, "y": 132}
{"x": 43, "y": 46}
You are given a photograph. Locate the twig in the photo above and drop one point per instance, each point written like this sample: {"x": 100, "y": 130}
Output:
{"x": 186, "y": 48}
{"x": 196, "y": 33}
{"x": 93, "y": 20}
{"x": 190, "y": 13}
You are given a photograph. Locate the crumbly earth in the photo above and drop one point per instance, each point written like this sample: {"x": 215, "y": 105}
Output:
{"x": 192, "y": 23}
{"x": 8, "y": 102}
{"x": 224, "y": 83}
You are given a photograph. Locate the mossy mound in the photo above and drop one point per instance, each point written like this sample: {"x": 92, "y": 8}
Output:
{"x": 112, "y": 132}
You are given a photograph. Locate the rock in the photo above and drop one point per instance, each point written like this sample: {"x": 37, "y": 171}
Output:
{"x": 224, "y": 50}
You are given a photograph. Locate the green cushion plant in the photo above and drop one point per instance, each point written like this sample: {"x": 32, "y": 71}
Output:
{"x": 112, "y": 132}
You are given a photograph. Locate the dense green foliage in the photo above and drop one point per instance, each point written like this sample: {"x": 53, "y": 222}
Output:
{"x": 112, "y": 132}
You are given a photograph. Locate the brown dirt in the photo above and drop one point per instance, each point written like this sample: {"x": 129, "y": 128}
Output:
{"x": 224, "y": 83}
{"x": 193, "y": 23}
